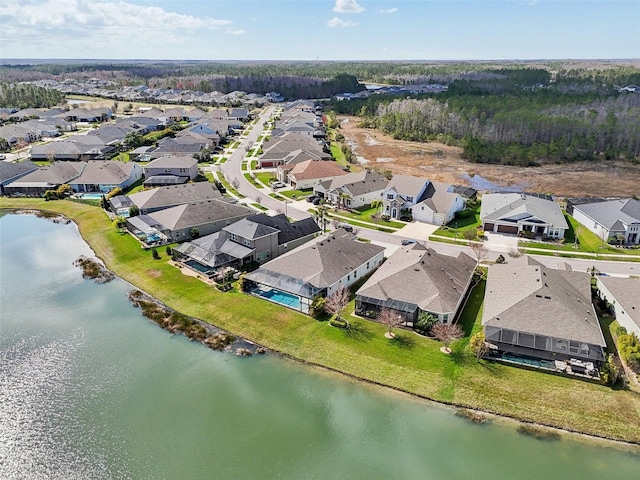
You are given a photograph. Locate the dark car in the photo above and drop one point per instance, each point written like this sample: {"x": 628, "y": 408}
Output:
{"x": 409, "y": 241}
{"x": 317, "y": 201}
{"x": 311, "y": 198}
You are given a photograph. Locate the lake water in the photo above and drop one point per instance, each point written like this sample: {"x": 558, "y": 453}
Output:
{"x": 89, "y": 389}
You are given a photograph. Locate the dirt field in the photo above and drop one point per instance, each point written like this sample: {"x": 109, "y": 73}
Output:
{"x": 443, "y": 163}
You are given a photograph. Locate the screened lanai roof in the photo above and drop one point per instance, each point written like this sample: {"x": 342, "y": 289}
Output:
{"x": 280, "y": 281}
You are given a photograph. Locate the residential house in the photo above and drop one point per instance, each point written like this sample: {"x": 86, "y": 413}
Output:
{"x": 104, "y": 176}
{"x": 12, "y": 171}
{"x": 305, "y": 175}
{"x": 532, "y": 311}
{"x": 256, "y": 238}
{"x": 16, "y": 133}
{"x": 239, "y": 114}
{"x": 414, "y": 280}
{"x": 613, "y": 220}
{"x": 89, "y": 115}
{"x": 438, "y": 204}
{"x": 78, "y": 148}
{"x": 182, "y": 167}
{"x": 276, "y": 150}
{"x": 317, "y": 268}
{"x": 160, "y": 198}
{"x": 49, "y": 177}
{"x": 623, "y": 294}
{"x": 353, "y": 190}
{"x": 185, "y": 145}
{"x": 402, "y": 193}
{"x": 519, "y": 212}
{"x": 186, "y": 222}
{"x": 294, "y": 158}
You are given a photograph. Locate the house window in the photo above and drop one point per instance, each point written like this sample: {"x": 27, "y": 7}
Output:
{"x": 348, "y": 277}
{"x": 367, "y": 265}
{"x": 390, "y": 196}
{"x": 445, "y": 318}
{"x": 409, "y": 199}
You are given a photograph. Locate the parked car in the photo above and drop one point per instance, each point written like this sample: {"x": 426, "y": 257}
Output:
{"x": 346, "y": 227}
{"x": 311, "y": 198}
{"x": 409, "y": 241}
{"x": 277, "y": 185}
{"x": 3, "y": 157}
{"x": 317, "y": 201}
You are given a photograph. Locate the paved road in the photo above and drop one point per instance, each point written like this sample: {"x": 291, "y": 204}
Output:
{"x": 232, "y": 170}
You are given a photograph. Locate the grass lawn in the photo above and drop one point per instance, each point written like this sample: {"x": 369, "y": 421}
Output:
{"x": 227, "y": 185}
{"x": 260, "y": 207}
{"x": 587, "y": 241}
{"x": 251, "y": 179}
{"x": 367, "y": 216}
{"x": 410, "y": 362}
{"x": 296, "y": 194}
{"x": 265, "y": 177}
{"x": 456, "y": 228}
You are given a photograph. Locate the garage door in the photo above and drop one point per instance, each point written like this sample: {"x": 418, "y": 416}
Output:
{"x": 507, "y": 229}
{"x": 488, "y": 227}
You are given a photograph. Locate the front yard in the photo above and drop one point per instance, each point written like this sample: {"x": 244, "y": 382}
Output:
{"x": 366, "y": 214}
{"x": 414, "y": 364}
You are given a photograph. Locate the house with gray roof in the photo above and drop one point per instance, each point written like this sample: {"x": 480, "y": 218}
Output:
{"x": 535, "y": 312}
{"x": 317, "y": 268}
{"x": 519, "y": 212}
{"x": 623, "y": 294}
{"x": 159, "y": 198}
{"x": 184, "y": 167}
{"x": 12, "y": 171}
{"x": 438, "y": 204}
{"x": 185, "y": 145}
{"x": 187, "y": 221}
{"x": 353, "y": 190}
{"x": 257, "y": 238}
{"x": 49, "y": 177}
{"x": 105, "y": 175}
{"x": 402, "y": 193}
{"x": 613, "y": 220}
{"x": 415, "y": 279}
{"x": 276, "y": 150}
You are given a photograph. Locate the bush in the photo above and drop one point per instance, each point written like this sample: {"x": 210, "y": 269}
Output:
{"x": 620, "y": 330}
{"x": 540, "y": 433}
{"x": 155, "y": 254}
{"x": 471, "y": 415}
{"x": 338, "y": 322}
{"x": 169, "y": 251}
{"x": 629, "y": 348}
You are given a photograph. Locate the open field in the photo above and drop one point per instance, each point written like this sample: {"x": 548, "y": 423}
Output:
{"x": 443, "y": 163}
{"x": 412, "y": 363}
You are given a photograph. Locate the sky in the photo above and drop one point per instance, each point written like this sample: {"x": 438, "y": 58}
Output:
{"x": 320, "y": 29}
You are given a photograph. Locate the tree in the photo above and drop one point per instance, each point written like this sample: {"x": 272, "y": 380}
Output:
{"x": 425, "y": 322}
{"x": 235, "y": 183}
{"x": 322, "y": 217}
{"x": 478, "y": 345}
{"x": 194, "y": 232}
{"x": 391, "y": 319}
{"x": 470, "y": 234}
{"x": 480, "y": 252}
{"x": 63, "y": 190}
{"x": 133, "y": 140}
{"x": 335, "y": 303}
{"x": 447, "y": 333}
{"x": 119, "y": 222}
{"x": 134, "y": 211}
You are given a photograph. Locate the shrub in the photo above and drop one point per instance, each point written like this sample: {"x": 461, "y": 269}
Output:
{"x": 629, "y": 348}
{"x": 620, "y": 330}
{"x": 338, "y": 322}
{"x": 169, "y": 251}
{"x": 540, "y": 433}
{"x": 471, "y": 415}
{"x": 155, "y": 254}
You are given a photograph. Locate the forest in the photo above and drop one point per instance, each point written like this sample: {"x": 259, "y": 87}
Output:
{"x": 515, "y": 118}
{"x": 25, "y": 96}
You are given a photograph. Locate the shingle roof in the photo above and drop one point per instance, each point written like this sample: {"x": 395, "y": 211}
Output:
{"x": 105, "y": 172}
{"x": 518, "y": 207}
{"x": 288, "y": 231}
{"x": 608, "y": 213}
{"x": 172, "y": 161}
{"x": 422, "y": 277}
{"x": 214, "y": 250}
{"x": 526, "y": 296}
{"x": 194, "y": 214}
{"x": 311, "y": 169}
{"x": 10, "y": 170}
{"x": 246, "y": 228}
{"x": 175, "y": 195}
{"x": 56, "y": 174}
{"x": 627, "y": 293}
{"x": 324, "y": 262}
{"x": 437, "y": 198}
{"x": 357, "y": 183}
{"x": 407, "y": 185}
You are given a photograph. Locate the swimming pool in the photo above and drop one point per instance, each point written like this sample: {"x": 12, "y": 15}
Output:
{"x": 199, "y": 267}
{"x": 91, "y": 196}
{"x": 283, "y": 298}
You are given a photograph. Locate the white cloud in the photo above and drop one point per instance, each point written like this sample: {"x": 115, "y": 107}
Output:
{"x": 97, "y": 28}
{"x": 388, "y": 10}
{"x": 339, "y": 22}
{"x": 347, "y": 6}
{"x": 235, "y": 32}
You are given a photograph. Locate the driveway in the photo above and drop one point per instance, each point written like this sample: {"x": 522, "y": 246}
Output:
{"x": 417, "y": 231}
{"x": 500, "y": 243}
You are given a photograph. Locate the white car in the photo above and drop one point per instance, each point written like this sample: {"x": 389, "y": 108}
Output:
{"x": 278, "y": 185}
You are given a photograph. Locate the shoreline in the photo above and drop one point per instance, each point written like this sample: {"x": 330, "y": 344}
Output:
{"x": 331, "y": 370}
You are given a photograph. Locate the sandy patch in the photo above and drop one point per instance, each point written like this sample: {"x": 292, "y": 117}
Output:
{"x": 154, "y": 273}
{"x": 443, "y": 163}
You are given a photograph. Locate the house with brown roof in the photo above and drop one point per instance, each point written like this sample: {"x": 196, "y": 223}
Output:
{"x": 305, "y": 175}
{"x": 540, "y": 316}
{"x": 415, "y": 279}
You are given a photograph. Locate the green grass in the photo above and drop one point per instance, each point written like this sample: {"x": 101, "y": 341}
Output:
{"x": 209, "y": 176}
{"x": 251, "y": 179}
{"x": 228, "y": 186}
{"x": 260, "y": 207}
{"x": 296, "y": 194}
{"x": 254, "y": 165}
{"x": 456, "y": 228}
{"x": 367, "y": 216}
{"x": 265, "y": 177}
{"x": 410, "y": 363}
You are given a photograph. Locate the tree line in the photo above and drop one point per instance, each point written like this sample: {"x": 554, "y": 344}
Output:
{"x": 28, "y": 96}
